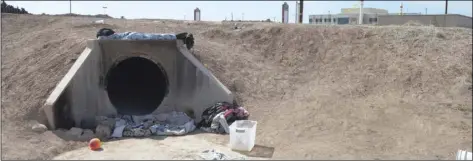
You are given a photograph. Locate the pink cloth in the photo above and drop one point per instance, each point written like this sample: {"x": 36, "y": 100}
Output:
{"x": 228, "y": 113}
{"x": 239, "y": 112}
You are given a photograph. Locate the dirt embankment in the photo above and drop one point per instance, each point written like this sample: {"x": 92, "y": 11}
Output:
{"x": 317, "y": 92}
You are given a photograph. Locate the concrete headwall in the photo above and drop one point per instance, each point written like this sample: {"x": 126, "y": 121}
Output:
{"x": 452, "y": 20}
{"x": 81, "y": 95}
{"x": 77, "y": 92}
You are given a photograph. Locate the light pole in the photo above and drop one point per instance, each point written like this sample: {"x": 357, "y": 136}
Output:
{"x": 446, "y": 12}
{"x": 104, "y": 8}
{"x": 301, "y": 11}
{"x": 446, "y": 6}
{"x": 330, "y": 17}
{"x": 360, "y": 21}
{"x": 297, "y": 12}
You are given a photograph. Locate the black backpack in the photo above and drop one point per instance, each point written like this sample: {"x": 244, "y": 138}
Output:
{"x": 187, "y": 38}
{"x": 105, "y": 32}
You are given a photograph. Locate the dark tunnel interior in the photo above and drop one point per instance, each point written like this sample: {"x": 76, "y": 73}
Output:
{"x": 136, "y": 86}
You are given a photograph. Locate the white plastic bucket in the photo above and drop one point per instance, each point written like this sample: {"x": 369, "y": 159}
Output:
{"x": 243, "y": 135}
{"x": 100, "y": 21}
{"x": 463, "y": 155}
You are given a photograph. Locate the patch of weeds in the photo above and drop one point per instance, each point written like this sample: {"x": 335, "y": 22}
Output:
{"x": 463, "y": 108}
{"x": 440, "y": 35}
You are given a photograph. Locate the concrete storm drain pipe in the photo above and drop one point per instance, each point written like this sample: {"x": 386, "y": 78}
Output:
{"x": 132, "y": 76}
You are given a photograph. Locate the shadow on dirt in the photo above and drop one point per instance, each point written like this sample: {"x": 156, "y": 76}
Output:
{"x": 259, "y": 151}
{"x": 69, "y": 136}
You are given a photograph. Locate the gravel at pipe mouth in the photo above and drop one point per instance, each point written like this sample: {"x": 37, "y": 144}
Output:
{"x": 391, "y": 92}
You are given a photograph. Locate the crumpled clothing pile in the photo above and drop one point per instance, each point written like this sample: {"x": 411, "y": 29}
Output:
{"x": 109, "y": 34}
{"x": 174, "y": 123}
{"x": 217, "y": 118}
{"x": 214, "y": 155}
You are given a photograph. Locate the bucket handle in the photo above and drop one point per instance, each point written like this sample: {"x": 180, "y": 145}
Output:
{"x": 240, "y": 131}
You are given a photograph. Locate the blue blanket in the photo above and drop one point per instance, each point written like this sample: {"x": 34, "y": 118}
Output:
{"x": 138, "y": 36}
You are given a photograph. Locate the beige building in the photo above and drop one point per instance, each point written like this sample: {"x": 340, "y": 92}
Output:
{"x": 377, "y": 16}
{"x": 450, "y": 20}
{"x": 348, "y": 16}
{"x": 365, "y": 10}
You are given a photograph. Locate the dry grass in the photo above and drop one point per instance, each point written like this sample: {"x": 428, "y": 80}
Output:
{"x": 318, "y": 92}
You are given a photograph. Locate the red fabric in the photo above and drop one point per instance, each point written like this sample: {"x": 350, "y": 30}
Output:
{"x": 228, "y": 113}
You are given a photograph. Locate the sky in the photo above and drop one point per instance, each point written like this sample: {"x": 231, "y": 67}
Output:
{"x": 221, "y": 10}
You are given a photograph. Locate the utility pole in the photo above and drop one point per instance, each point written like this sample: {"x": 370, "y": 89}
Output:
{"x": 70, "y": 7}
{"x": 425, "y": 10}
{"x": 301, "y": 8}
{"x": 232, "y": 16}
{"x": 242, "y": 16}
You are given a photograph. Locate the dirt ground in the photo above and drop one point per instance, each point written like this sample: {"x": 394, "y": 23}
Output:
{"x": 154, "y": 148}
{"x": 317, "y": 92}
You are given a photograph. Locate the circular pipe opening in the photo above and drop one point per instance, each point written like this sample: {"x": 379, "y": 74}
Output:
{"x": 136, "y": 86}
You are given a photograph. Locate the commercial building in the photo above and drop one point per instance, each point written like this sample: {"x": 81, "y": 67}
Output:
{"x": 442, "y": 20}
{"x": 376, "y": 16}
{"x": 348, "y": 16}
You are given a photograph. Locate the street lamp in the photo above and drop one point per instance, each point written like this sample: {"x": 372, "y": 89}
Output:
{"x": 104, "y": 8}
{"x": 360, "y": 18}
{"x": 301, "y": 10}
{"x": 446, "y": 6}
{"x": 446, "y": 12}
